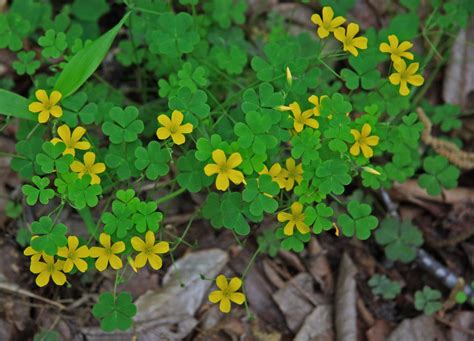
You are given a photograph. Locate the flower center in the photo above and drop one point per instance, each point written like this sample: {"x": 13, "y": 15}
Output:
{"x": 72, "y": 256}
{"x": 108, "y": 251}
{"x": 148, "y": 251}
{"x": 51, "y": 267}
{"x": 173, "y": 129}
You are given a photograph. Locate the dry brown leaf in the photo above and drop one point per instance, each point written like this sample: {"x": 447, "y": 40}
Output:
{"x": 410, "y": 190}
{"x": 458, "y": 86}
{"x": 346, "y": 298}
{"x": 422, "y": 328}
{"x": 293, "y": 302}
{"x": 318, "y": 326}
{"x": 379, "y": 331}
{"x": 464, "y": 319}
{"x": 319, "y": 268}
{"x": 268, "y": 267}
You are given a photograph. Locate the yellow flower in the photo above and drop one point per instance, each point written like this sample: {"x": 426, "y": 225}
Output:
{"x": 327, "y": 23}
{"x": 289, "y": 77}
{"x": 48, "y": 269}
{"x": 35, "y": 255}
{"x": 295, "y": 218}
{"x": 295, "y": 173}
{"x": 46, "y": 105}
{"x": 371, "y": 170}
{"x": 88, "y": 167}
{"x": 397, "y": 50}
{"x": 71, "y": 141}
{"x": 173, "y": 127}
{"x": 348, "y": 39}
{"x": 74, "y": 255}
{"x": 317, "y": 102}
{"x": 227, "y": 293}
{"x": 363, "y": 141}
{"x": 406, "y": 75}
{"x": 278, "y": 174}
{"x": 224, "y": 168}
{"x": 149, "y": 251}
{"x": 301, "y": 119}
{"x": 108, "y": 253}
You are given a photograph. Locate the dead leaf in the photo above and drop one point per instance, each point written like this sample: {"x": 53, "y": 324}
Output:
{"x": 268, "y": 267}
{"x": 464, "y": 319}
{"x": 410, "y": 189}
{"x": 379, "y": 331}
{"x": 318, "y": 326}
{"x": 346, "y": 298}
{"x": 458, "y": 84}
{"x": 421, "y": 328}
{"x": 319, "y": 268}
{"x": 292, "y": 300}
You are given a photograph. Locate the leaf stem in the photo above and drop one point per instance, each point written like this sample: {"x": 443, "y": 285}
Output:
{"x": 170, "y": 196}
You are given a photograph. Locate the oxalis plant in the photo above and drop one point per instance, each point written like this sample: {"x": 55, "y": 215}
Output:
{"x": 267, "y": 127}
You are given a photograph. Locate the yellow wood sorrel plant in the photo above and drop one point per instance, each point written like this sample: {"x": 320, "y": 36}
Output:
{"x": 267, "y": 126}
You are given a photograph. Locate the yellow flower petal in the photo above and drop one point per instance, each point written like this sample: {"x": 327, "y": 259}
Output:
{"x": 235, "y": 159}
{"x": 221, "y": 282}
{"x": 101, "y": 263}
{"x": 237, "y": 297}
{"x": 55, "y": 97}
{"x": 222, "y": 182}
{"x": 283, "y": 216}
{"x": 96, "y": 252}
{"x": 219, "y": 157}
{"x": 366, "y": 129}
{"x": 296, "y": 208}
{"x": 77, "y": 166}
{"x": 288, "y": 230}
{"x": 161, "y": 247}
{"x": 355, "y": 149}
{"x": 56, "y": 111}
{"x": 366, "y": 150}
{"x": 215, "y": 296}
{"x": 77, "y": 134}
{"x": 37, "y": 267}
{"x": 211, "y": 169}
{"x": 43, "y": 279}
{"x": 234, "y": 284}
{"x": 104, "y": 240}
{"x": 178, "y": 139}
{"x": 224, "y": 305}
{"x": 118, "y": 247}
{"x": 81, "y": 265}
{"x": 150, "y": 238}
{"x": 138, "y": 244}
{"x": 36, "y": 107}
{"x": 235, "y": 176}
{"x": 43, "y": 117}
{"x": 163, "y": 133}
{"x": 140, "y": 260}
{"x": 155, "y": 261}
{"x": 89, "y": 159}
{"x": 42, "y": 96}
{"x": 164, "y": 121}
{"x": 416, "y": 80}
{"x": 115, "y": 262}
{"x": 177, "y": 117}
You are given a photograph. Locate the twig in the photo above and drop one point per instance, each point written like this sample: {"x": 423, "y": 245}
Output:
{"x": 15, "y": 289}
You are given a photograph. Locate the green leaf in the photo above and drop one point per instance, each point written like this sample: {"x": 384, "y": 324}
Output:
{"x": 26, "y": 63}
{"x": 358, "y": 222}
{"x": 399, "y": 239}
{"x": 428, "y": 300}
{"x": 121, "y": 158}
{"x": 232, "y": 213}
{"x": 82, "y": 193}
{"x": 85, "y": 62}
{"x": 224, "y": 12}
{"x": 49, "y": 237}
{"x": 119, "y": 221}
{"x": 382, "y": 286}
{"x": 53, "y": 44}
{"x": 334, "y": 175}
{"x": 53, "y": 159}
{"x": 13, "y": 28}
{"x": 153, "y": 160}
{"x": 114, "y": 312}
{"x": 193, "y": 105}
{"x": 191, "y": 173}
{"x": 259, "y": 193}
{"x": 15, "y": 105}
{"x": 175, "y": 35}
{"x": 146, "y": 217}
{"x": 295, "y": 242}
{"x": 125, "y": 125}
{"x": 320, "y": 217}
{"x": 439, "y": 173}
{"x": 269, "y": 243}
{"x": 39, "y": 192}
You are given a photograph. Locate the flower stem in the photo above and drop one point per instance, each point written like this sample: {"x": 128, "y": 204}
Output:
{"x": 170, "y": 196}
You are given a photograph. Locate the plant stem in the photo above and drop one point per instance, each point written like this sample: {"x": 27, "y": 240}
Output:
{"x": 249, "y": 265}
{"x": 86, "y": 215}
{"x": 170, "y": 196}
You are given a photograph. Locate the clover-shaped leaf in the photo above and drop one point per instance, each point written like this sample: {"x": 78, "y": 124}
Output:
{"x": 205, "y": 147}
{"x": 224, "y": 12}
{"x": 439, "y": 173}
{"x": 118, "y": 221}
{"x": 82, "y": 193}
{"x": 265, "y": 101}
{"x": 232, "y": 213}
{"x": 192, "y": 77}
{"x": 320, "y": 217}
{"x": 428, "y": 300}
{"x": 334, "y": 175}
{"x": 293, "y": 243}
{"x": 125, "y": 125}
{"x": 193, "y": 105}
{"x": 305, "y": 145}
{"x": 358, "y": 222}
{"x": 114, "y": 312}
{"x": 49, "y": 236}
{"x": 53, "y": 43}
{"x": 399, "y": 239}
{"x": 53, "y": 159}
{"x": 129, "y": 54}
{"x": 128, "y": 198}
{"x": 122, "y": 159}
{"x": 153, "y": 160}
{"x": 260, "y": 194}
{"x": 40, "y": 192}
{"x": 191, "y": 173}
{"x": 210, "y": 212}
{"x": 255, "y": 132}
{"x": 366, "y": 73}
{"x": 26, "y": 63}
{"x": 269, "y": 243}
{"x": 75, "y": 108}
{"x": 146, "y": 217}
{"x": 13, "y": 28}
{"x": 25, "y": 163}
{"x": 383, "y": 286}
{"x": 447, "y": 116}
{"x": 175, "y": 35}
